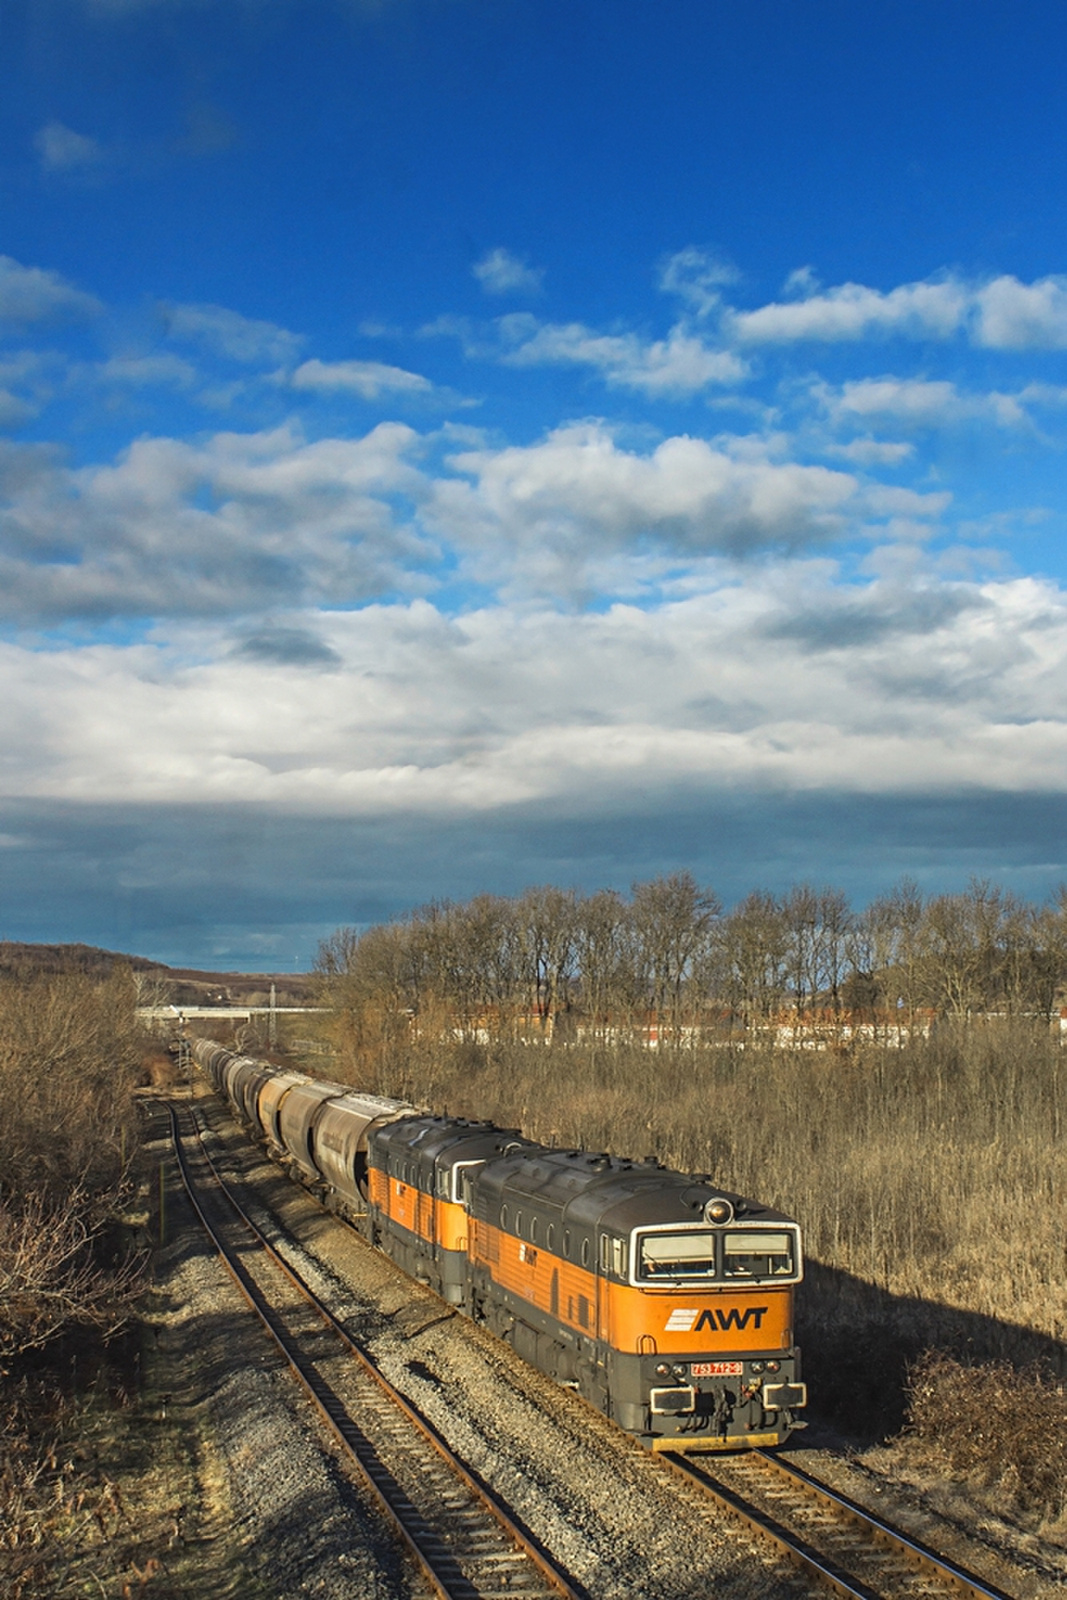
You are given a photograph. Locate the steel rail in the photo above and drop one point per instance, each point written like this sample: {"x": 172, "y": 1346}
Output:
{"x": 925, "y": 1559}
{"x": 907, "y": 1560}
{"x": 442, "y": 1567}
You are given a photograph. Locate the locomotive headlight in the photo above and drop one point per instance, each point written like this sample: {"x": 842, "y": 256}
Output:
{"x": 757, "y": 1366}
{"x": 664, "y": 1370}
{"x": 719, "y": 1210}
{"x": 774, "y": 1366}
{"x": 681, "y": 1371}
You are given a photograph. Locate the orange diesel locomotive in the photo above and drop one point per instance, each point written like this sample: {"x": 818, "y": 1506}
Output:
{"x": 665, "y": 1301}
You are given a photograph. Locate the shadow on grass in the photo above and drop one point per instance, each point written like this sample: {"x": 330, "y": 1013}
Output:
{"x": 859, "y": 1342}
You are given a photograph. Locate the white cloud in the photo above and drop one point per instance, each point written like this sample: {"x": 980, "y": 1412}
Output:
{"x": 783, "y": 678}
{"x": 681, "y": 364}
{"x": 33, "y": 294}
{"x": 369, "y": 379}
{"x": 920, "y": 402}
{"x": 851, "y": 311}
{"x": 697, "y": 278}
{"x": 63, "y": 150}
{"x": 1022, "y": 316}
{"x": 238, "y": 522}
{"x": 540, "y": 514}
{"x": 500, "y": 272}
{"x": 873, "y": 452}
{"x": 1001, "y": 313}
{"x": 228, "y": 333}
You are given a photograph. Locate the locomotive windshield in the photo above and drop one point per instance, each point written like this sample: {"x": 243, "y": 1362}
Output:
{"x": 677, "y": 1255}
{"x": 758, "y": 1255}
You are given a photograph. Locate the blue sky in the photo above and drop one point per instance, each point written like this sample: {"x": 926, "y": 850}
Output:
{"x": 452, "y": 445}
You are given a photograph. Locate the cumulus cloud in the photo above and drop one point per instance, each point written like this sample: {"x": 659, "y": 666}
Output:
{"x": 1000, "y": 313}
{"x": 228, "y": 333}
{"x": 234, "y": 523}
{"x": 852, "y": 311}
{"x": 368, "y": 379}
{"x": 681, "y": 364}
{"x": 545, "y": 510}
{"x": 1022, "y": 316}
{"x": 62, "y": 150}
{"x": 500, "y": 272}
{"x": 34, "y": 294}
{"x": 920, "y": 402}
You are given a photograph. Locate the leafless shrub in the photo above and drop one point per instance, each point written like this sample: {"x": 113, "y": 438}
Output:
{"x": 995, "y": 1426}
{"x": 50, "y": 1277}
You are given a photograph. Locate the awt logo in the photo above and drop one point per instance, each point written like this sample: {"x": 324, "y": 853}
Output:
{"x": 690, "y": 1321}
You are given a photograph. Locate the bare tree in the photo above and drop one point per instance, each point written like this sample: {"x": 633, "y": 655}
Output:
{"x": 754, "y": 943}
{"x": 548, "y": 932}
{"x": 604, "y": 957}
{"x": 673, "y": 920}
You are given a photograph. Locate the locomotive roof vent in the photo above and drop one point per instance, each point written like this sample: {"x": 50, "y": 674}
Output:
{"x": 719, "y": 1210}
{"x": 598, "y": 1163}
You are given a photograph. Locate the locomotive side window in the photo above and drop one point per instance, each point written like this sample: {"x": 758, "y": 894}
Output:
{"x": 758, "y": 1255}
{"x": 550, "y": 1237}
{"x": 585, "y": 1252}
{"x": 676, "y": 1255}
{"x": 503, "y": 1216}
{"x": 533, "y": 1230}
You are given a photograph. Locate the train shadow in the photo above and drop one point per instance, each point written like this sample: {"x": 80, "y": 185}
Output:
{"x": 859, "y": 1342}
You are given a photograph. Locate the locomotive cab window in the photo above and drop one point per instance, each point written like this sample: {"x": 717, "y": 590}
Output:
{"x": 758, "y": 1255}
{"x": 676, "y": 1255}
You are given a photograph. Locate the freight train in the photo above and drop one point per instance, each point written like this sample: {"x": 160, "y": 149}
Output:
{"x": 664, "y": 1300}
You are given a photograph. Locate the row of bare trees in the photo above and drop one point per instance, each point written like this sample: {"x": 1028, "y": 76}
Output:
{"x": 668, "y": 953}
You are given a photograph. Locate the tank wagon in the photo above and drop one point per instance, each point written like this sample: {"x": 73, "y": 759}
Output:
{"x": 666, "y": 1301}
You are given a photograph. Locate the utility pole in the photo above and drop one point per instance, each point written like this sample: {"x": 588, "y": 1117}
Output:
{"x": 272, "y": 1026}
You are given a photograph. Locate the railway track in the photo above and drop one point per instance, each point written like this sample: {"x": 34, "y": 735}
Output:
{"x": 462, "y": 1537}
{"x": 828, "y": 1537}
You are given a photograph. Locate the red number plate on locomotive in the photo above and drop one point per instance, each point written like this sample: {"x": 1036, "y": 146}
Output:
{"x": 716, "y": 1369}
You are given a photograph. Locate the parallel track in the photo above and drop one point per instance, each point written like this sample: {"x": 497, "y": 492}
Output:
{"x": 465, "y": 1541}
{"x": 829, "y": 1537}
